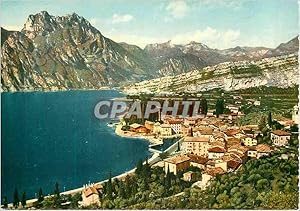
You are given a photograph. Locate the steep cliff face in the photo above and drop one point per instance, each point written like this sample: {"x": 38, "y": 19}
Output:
{"x": 67, "y": 52}
{"x": 276, "y": 71}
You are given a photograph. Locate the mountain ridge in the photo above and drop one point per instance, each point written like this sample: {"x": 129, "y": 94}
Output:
{"x": 67, "y": 52}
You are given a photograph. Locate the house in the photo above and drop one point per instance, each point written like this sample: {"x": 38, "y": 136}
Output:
{"x": 190, "y": 121}
{"x": 233, "y": 108}
{"x": 252, "y": 152}
{"x": 197, "y": 161}
{"x": 295, "y": 114}
{"x": 239, "y": 151}
{"x": 205, "y": 181}
{"x": 233, "y": 161}
{"x": 280, "y": 137}
{"x": 196, "y": 145}
{"x": 232, "y": 141}
{"x": 222, "y": 164}
{"x": 206, "y": 132}
{"x": 165, "y": 130}
{"x": 156, "y": 128}
{"x": 186, "y": 130}
{"x": 215, "y": 171}
{"x": 230, "y": 133}
{"x": 176, "y": 125}
{"x": 137, "y": 128}
{"x": 249, "y": 141}
{"x": 90, "y": 195}
{"x": 263, "y": 150}
{"x": 216, "y": 152}
{"x": 176, "y": 163}
{"x": 256, "y": 103}
{"x": 149, "y": 125}
{"x": 189, "y": 176}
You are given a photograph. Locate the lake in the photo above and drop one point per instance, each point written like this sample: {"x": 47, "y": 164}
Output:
{"x": 50, "y": 137}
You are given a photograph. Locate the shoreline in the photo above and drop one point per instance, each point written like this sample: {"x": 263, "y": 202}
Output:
{"x": 152, "y": 160}
{"x": 128, "y": 134}
{"x": 62, "y": 90}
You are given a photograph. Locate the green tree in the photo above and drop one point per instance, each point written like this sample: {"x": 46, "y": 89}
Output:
{"x": 4, "y": 202}
{"x": 16, "y": 198}
{"x": 168, "y": 180}
{"x": 219, "y": 107}
{"x": 23, "y": 202}
{"x": 203, "y": 106}
{"x": 270, "y": 119}
{"x": 262, "y": 123}
{"x": 40, "y": 195}
{"x": 56, "y": 189}
{"x": 139, "y": 167}
{"x": 109, "y": 191}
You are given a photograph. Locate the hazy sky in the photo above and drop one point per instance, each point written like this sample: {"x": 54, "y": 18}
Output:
{"x": 216, "y": 23}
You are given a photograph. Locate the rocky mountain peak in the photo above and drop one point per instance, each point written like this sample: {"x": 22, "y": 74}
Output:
{"x": 193, "y": 45}
{"x": 159, "y": 46}
{"x": 40, "y": 23}
{"x": 43, "y": 23}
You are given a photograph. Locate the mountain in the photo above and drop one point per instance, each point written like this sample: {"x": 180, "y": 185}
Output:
{"x": 4, "y": 35}
{"x": 244, "y": 53}
{"x": 66, "y": 52}
{"x": 170, "y": 59}
{"x": 272, "y": 72}
{"x": 289, "y": 47}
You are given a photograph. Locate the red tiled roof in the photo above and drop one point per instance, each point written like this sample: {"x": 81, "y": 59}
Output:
{"x": 217, "y": 149}
{"x": 196, "y": 139}
{"x": 90, "y": 191}
{"x": 231, "y": 132}
{"x": 215, "y": 171}
{"x": 177, "y": 159}
{"x": 233, "y": 164}
{"x": 263, "y": 148}
{"x": 175, "y": 121}
{"x": 281, "y": 133}
{"x": 197, "y": 159}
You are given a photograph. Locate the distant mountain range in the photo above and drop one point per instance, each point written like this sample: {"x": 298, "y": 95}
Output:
{"x": 67, "y": 52}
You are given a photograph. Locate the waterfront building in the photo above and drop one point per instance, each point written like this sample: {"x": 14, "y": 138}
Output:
{"x": 90, "y": 195}
{"x": 165, "y": 130}
{"x": 149, "y": 125}
{"x": 156, "y": 128}
{"x": 137, "y": 128}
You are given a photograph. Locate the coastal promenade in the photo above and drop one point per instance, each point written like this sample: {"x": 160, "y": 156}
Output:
{"x": 155, "y": 158}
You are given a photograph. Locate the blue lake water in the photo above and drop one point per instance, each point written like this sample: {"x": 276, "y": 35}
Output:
{"x": 50, "y": 137}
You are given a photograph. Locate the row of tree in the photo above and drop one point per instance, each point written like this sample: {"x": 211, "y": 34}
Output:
{"x": 23, "y": 200}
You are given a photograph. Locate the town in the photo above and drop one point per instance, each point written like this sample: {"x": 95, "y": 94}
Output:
{"x": 211, "y": 142}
